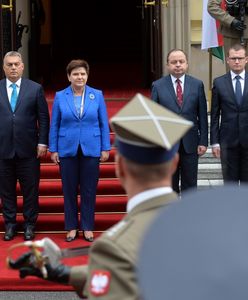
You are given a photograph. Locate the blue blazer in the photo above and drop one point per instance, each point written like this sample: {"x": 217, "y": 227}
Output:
{"x": 68, "y": 130}
{"x": 194, "y": 108}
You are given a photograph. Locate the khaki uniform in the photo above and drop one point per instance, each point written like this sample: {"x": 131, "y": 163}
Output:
{"x": 231, "y": 36}
{"x": 113, "y": 257}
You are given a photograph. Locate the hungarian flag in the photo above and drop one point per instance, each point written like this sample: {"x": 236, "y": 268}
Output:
{"x": 211, "y": 39}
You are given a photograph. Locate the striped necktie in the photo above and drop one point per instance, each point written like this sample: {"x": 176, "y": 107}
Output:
{"x": 179, "y": 92}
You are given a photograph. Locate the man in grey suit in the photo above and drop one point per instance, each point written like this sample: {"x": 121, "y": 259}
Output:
{"x": 24, "y": 130}
{"x": 201, "y": 248}
{"x": 229, "y": 117}
{"x": 184, "y": 95}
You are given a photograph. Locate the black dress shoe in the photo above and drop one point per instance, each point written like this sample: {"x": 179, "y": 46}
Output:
{"x": 88, "y": 239}
{"x": 70, "y": 238}
{"x": 29, "y": 234}
{"x": 9, "y": 234}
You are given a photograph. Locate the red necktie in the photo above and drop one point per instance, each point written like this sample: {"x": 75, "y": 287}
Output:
{"x": 179, "y": 92}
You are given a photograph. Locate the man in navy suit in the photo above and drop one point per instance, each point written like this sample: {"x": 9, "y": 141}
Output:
{"x": 229, "y": 117}
{"x": 187, "y": 99}
{"x": 24, "y": 130}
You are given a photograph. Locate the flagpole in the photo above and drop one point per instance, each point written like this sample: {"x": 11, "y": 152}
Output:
{"x": 210, "y": 77}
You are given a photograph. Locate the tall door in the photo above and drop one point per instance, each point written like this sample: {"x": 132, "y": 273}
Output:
{"x": 122, "y": 44}
{"x": 7, "y": 28}
{"x": 37, "y": 19}
{"x": 152, "y": 39}
{"x": 105, "y": 33}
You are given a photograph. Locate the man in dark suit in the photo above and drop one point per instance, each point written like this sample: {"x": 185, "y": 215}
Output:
{"x": 229, "y": 117}
{"x": 24, "y": 130}
{"x": 187, "y": 99}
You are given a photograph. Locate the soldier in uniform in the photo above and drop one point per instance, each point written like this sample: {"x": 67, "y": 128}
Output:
{"x": 233, "y": 22}
{"x": 146, "y": 141}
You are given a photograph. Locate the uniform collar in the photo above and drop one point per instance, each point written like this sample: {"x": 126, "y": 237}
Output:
{"x": 147, "y": 195}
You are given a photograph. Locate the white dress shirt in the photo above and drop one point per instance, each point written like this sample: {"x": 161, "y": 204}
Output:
{"x": 242, "y": 80}
{"x": 174, "y": 81}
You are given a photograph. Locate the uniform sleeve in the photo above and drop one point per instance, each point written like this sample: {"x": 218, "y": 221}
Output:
{"x": 78, "y": 276}
{"x": 111, "y": 273}
{"x": 215, "y": 10}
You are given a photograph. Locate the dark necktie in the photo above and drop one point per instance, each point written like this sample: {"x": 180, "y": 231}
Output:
{"x": 238, "y": 90}
{"x": 179, "y": 92}
{"x": 13, "y": 98}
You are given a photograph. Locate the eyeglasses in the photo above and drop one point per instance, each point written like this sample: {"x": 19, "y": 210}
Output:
{"x": 236, "y": 58}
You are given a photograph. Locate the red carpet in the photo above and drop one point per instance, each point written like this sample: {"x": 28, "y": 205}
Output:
{"x": 110, "y": 208}
{"x": 110, "y": 201}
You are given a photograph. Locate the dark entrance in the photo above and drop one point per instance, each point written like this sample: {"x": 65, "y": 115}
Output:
{"x": 120, "y": 40}
{"x": 111, "y": 35}
{"x": 7, "y": 29}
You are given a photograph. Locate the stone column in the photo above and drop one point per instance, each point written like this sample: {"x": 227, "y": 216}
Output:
{"x": 23, "y": 7}
{"x": 175, "y": 28}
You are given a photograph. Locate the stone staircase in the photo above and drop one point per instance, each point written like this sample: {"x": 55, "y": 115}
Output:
{"x": 209, "y": 170}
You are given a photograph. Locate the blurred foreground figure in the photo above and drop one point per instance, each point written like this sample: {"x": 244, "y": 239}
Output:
{"x": 197, "y": 248}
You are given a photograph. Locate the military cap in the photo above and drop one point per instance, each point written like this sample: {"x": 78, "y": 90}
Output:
{"x": 197, "y": 248}
{"x": 146, "y": 132}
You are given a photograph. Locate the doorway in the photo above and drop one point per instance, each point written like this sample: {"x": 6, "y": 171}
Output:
{"x": 108, "y": 36}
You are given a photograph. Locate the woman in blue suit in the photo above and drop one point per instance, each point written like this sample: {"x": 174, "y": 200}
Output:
{"x": 79, "y": 139}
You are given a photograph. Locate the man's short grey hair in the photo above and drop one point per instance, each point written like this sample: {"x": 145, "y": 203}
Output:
{"x": 13, "y": 53}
